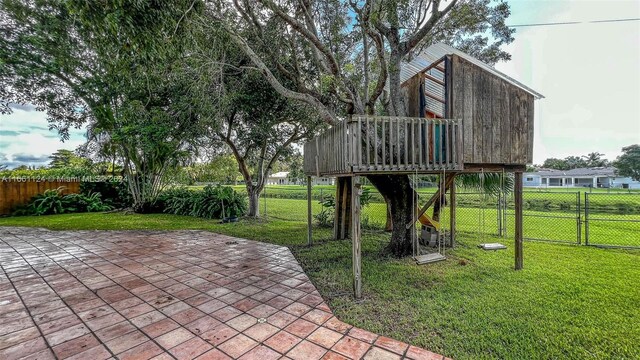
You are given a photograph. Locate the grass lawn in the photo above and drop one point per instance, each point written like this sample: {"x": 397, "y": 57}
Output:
{"x": 569, "y": 302}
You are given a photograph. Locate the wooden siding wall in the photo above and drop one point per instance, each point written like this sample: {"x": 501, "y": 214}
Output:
{"x": 497, "y": 116}
{"x": 14, "y": 193}
{"x": 411, "y": 92}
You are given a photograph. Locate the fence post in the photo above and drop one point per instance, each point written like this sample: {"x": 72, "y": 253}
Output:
{"x": 355, "y": 236}
{"x": 309, "y": 215}
{"x": 586, "y": 218}
{"x": 517, "y": 194}
{"x": 499, "y": 213}
{"x": 505, "y": 208}
{"x": 578, "y": 217}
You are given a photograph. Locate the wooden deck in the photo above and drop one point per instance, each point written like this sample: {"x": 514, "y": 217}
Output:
{"x": 378, "y": 144}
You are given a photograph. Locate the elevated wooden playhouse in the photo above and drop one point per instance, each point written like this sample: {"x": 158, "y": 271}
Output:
{"x": 464, "y": 116}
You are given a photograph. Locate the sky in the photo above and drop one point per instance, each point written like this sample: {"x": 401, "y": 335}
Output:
{"x": 588, "y": 73}
{"x": 25, "y": 138}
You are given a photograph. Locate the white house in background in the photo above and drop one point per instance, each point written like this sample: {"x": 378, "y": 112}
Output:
{"x": 601, "y": 177}
{"x": 282, "y": 178}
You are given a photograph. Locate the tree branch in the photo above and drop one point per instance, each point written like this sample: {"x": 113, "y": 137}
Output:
{"x": 436, "y": 15}
{"x": 325, "y": 113}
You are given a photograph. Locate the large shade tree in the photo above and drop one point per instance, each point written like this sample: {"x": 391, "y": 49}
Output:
{"x": 260, "y": 127}
{"x": 344, "y": 57}
{"x": 120, "y": 67}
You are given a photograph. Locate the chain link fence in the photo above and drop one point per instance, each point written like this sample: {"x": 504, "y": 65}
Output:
{"x": 598, "y": 218}
{"x": 612, "y": 219}
{"x": 548, "y": 216}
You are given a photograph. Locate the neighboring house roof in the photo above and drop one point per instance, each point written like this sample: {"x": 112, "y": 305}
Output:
{"x": 437, "y": 51}
{"x": 599, "y": 171}
{"x": 281, "y": 174}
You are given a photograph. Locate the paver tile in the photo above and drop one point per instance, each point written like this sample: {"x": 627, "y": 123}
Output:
{"x": 301, "y": 328}
{"x": 160, "y": 327}
{"x": 376, "y": 353}
{"x": 214, "y": 354}
{"x": 363, "y": 335}
{"x": 23, "y": 349}
{"x": 242, "y": 322}
{"x": 190, "y": 349}
{"x": 237, "y": 345}
{"x": 143, "y": 351}
{"x": 392, "y": 345}
{"x": 219, "y": 334}
{"x": 126, "y": 342}
{"x": 325, "y": 337}
{"x": 306, "y": 350}
{"x": 351, "y": 347}
{"x": 75, "y": 346}
{"x": 174, "y": 338}
{"x": 282, "y": 341}
{"x": 166, "y": 295}
{"x": 261, "y": 331}
{"x": 202, "y": 325}
{"x": 261, "y": 352}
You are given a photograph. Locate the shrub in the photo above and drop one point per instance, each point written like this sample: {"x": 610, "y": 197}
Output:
{"x": 325, "y": 216}
{"x": 210, "y": 203}
{"x": 53, "y": 202}
{"x": 113, "y": 192}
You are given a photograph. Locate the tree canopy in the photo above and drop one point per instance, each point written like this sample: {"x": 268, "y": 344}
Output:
{"x": 594, "y": 159}
{"x": 119, "y": 67}
{"x": 628, "y": 164}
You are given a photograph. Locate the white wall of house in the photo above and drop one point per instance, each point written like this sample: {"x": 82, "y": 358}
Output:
{"x": 535, "y": 180}
{"x": 625, "y": 183}
{"x": 322, "y": 180}
{"x": 281, "y": 178}
{"x": 531, "y": 180}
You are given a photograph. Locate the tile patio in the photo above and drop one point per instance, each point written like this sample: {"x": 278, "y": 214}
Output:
{"x": 167, "y": 295}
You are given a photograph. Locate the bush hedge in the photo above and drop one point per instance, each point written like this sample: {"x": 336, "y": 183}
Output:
{"x": 211, "y": 202}
{"x": 54, "y": 202}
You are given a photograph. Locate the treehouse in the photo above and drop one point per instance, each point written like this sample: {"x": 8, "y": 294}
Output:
{"x": 462, "y": 116}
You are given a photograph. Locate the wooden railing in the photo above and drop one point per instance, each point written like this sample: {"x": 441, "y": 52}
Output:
{"x": 376, "y": 144}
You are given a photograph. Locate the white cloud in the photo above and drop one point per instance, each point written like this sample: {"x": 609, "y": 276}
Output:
{"x": 33, "y": 139}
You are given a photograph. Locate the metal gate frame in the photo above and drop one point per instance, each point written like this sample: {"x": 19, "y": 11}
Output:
{"x": 503, "y": 210}
{"x": 588, "y": 219}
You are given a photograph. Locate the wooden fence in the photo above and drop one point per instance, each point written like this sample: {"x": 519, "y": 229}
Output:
{"x": 15, "y": 193}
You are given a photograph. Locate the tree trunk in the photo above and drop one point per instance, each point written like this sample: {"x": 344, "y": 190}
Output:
{"x": 254, "y": 202}
{"x": 398, "y": 192}
{"x": 395, "y": 94}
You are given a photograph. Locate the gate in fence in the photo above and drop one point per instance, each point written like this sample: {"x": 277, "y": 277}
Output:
{"x": 612, "y": 219}
{"x": 550, "y": 216}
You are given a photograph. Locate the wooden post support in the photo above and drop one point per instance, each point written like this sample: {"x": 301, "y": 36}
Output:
{"x": 344, "y": 217}
{"x": 517, "y": 192}
{"x": 452, "y": 214}
{"x": 337, "y": 211}
{"x": 309, "y": 213}
{"x": 355, "y": 236}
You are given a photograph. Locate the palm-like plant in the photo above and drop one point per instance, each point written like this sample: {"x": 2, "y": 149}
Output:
{"x": 487, "y": 183}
